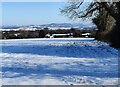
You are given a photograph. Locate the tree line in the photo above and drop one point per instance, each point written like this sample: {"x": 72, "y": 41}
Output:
{"x": 42, "y": 33}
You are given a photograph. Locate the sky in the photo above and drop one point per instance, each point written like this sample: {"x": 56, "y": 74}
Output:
{"x": 35, "y": 13}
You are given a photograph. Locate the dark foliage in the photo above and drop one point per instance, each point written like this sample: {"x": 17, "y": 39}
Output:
{"x": 41, "y": 33}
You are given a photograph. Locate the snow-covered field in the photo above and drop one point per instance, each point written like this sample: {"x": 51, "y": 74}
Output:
{"x": 58, "y": 62}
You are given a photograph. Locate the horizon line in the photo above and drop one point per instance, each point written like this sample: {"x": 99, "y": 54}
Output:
{"x": 50, "y": 23}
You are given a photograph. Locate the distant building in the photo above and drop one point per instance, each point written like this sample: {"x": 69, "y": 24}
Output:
{"x": 47, "y": 35}
{"x": 59, "y": 35}
{"x": 17, "y": 34}
{"x": 86, "y": 34}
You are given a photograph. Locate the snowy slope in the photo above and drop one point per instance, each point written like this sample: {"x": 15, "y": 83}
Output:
{"x": 58, "y": 61}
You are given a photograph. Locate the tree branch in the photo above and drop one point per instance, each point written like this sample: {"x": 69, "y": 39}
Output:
{"x": 110, "y": 11}
{"x": 89, "y": 12}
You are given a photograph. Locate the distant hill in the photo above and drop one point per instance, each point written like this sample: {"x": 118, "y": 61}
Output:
{"x": 10, "y": 27}
{"x": 69, "y": 25}
{"x": 79, "y": 26}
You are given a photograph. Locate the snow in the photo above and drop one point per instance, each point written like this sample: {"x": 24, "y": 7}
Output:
{"x": 30, "y": 29}
{"x": 58, "y": 62}
{"x": 49, "y": 39}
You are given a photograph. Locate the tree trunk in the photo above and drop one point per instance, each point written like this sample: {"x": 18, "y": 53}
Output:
{"x": 115, "y": 36}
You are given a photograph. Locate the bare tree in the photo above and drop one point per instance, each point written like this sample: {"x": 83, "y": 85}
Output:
{"x": 104, "y": 15}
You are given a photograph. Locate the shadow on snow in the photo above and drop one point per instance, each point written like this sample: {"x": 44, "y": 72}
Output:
{"x": 63, "y": 51}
